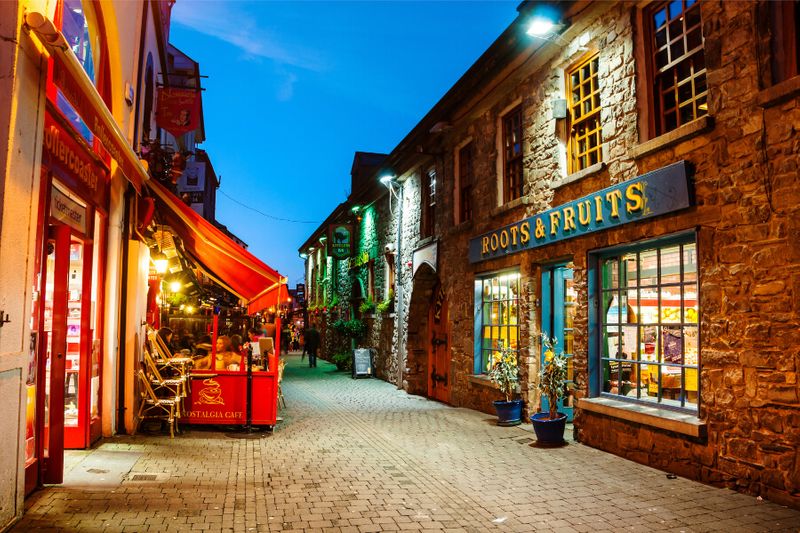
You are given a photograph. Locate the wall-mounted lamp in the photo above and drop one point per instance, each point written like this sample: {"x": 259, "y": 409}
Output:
{"x": 175, "y": 286}
{"x": 303, "y": 255}
{"x": 540, "y": 27}
{"x": 388, "y": 180}
{"x": 355, "y": 209}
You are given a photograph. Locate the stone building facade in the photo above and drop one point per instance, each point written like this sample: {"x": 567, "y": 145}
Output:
{"x": 631, "y": 179}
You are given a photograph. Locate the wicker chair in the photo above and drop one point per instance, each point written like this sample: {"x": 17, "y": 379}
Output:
{"x": 153, "y": 407}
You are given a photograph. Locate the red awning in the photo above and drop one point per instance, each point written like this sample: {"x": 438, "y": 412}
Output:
{"x": 224, "y": 261}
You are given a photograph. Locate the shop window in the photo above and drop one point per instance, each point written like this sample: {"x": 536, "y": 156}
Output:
{"x": 464, "y": 172}
{"x": 784, "y": 27}
{"x": 649, "y": 348}
{"x": 512, "y": 154}
{"x": 678, "y": 63}
{"x": 496, "y": 316}
{"x": 584, "y": 100}
{"x": 428, "y": 201}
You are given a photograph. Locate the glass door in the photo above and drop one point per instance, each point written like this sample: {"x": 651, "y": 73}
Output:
{"x": 75, "y": 397}
{"x": 558, "y": 315}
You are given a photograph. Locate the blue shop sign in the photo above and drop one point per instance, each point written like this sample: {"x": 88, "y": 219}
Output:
{"x": 649, "y": 195}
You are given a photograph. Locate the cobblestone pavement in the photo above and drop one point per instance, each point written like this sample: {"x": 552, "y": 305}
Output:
{"x": 360, "y": 456}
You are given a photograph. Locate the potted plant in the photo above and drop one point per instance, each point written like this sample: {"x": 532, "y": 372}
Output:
{"x": 549, "y": 426}
{"x": 367, "y": 306}
{"x": 386, "y": 305}
{"x": 502, "y": 370}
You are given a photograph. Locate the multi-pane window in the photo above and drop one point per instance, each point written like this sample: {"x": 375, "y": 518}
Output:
{"x": 679, "y": 68}
{"x": 465, "y": 181}
{"x": 428, "y": 199}
{"x": 584, "y": 101}
{"x": 512, "y": 155}
{"x": 784, "y": 39}
{"x": 497, "y": 315}
{"x": 649, "y": 325}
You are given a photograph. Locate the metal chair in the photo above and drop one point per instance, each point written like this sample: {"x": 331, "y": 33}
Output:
{"x": 153, "y": 407}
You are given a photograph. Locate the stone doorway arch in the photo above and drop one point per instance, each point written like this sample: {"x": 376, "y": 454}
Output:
{"x": 415, "y": 375}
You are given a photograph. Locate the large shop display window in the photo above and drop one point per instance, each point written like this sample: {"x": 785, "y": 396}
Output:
{"x": 649, "y": 324}
{"x": 496, "y": 316}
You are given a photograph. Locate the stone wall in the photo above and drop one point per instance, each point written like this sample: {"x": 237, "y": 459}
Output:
{"x": 746, "y": 217}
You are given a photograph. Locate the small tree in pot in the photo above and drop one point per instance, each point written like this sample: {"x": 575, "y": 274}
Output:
{"x": 502, "y": 370}
{"x": 549, "y": 426}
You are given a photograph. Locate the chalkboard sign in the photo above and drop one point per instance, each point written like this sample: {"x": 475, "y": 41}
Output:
{"x": 362, "y": 363}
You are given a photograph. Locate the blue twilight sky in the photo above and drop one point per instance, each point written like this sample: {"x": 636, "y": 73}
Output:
{"x": 295, "y": 88}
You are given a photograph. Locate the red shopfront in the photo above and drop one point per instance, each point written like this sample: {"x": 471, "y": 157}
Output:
{"x": 64, "y": 377}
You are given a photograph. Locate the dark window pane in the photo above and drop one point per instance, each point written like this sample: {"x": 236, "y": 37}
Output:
{"x": 660, "y": 18}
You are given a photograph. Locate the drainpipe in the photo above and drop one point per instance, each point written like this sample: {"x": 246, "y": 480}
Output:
{"x": 123, "y": 311}
{"x": 401, "y": 360}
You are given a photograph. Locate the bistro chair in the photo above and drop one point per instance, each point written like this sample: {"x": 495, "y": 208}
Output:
{"x": 174, "y": 386}
{"x": 281, "y": 399}
{"x": 163, "y": 356}
{"x": 153, "y": 407}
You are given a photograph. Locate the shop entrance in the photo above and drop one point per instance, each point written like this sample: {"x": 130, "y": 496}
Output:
{"x": 558, "y": 313}
{"x": 439, "y": 350}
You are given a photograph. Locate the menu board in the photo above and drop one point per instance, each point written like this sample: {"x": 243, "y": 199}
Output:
{"x": 362, "y": 363}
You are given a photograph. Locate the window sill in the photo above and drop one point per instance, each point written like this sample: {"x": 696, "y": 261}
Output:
{"x": 577, "y": 176}
{"x": 522, "y": 200}
{"x": 683, "y": 133}
{"x": 779, "y": 93}
{"x": 684, "y": 423}
{"x": 482, "y": 381}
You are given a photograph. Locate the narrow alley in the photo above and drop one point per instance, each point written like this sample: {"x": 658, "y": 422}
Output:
{"x": 360, "y": 456}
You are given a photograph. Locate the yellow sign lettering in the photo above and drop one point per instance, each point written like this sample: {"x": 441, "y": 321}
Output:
{"x": 539, "y": 232}
{"x": 504, "y": 239}
{"x": 614, "y": 198}
{"x": 585, "y": 213}
{"x": 484, "y": 245}
{"x": 525, "y": 232}
{"x": 569, "y": 218}
{"x": 555, "y": 219}
{"x": 598, "y": 205}
{"x": 634, "y": 196}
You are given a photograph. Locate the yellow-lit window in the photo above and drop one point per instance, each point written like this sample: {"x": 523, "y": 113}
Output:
{"x": 497, "y": 315}
{"x": 584, "y": 99}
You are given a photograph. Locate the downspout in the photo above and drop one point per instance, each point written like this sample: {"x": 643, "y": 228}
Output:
{"x": 123, "y": 312}
{"x": 399, "y": 276}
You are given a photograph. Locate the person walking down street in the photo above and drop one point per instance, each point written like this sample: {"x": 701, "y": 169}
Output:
{"x": 311, "y": 346}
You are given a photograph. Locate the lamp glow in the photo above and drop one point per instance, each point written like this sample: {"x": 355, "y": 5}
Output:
{"x": 540, "y": 27}
{"x": 160, "y": 262}
{"x": 175, "y": 286}
{"x": 387, "y": 179}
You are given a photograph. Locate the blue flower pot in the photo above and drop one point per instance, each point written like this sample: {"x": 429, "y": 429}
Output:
{"x": 508, "y": 413}
{"x": 549, "y": 432}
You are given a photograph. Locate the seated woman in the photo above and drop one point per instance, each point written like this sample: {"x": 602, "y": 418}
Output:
{"x": 224, "y": 359}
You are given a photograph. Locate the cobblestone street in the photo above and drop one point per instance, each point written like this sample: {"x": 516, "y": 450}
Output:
{"x": 361, "y": 456}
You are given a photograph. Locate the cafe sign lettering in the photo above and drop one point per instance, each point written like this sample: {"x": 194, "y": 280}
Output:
{"x": 652, "y": 194}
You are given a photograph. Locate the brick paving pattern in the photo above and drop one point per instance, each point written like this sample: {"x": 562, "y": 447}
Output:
{"x": 357, "y": 456}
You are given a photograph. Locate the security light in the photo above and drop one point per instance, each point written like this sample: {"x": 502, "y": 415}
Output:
{"x": 540, "y": 27}
{"x": 387, "y": 179}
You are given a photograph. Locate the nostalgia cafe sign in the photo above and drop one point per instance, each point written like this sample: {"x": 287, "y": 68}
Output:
{"x": 652, "y": 194}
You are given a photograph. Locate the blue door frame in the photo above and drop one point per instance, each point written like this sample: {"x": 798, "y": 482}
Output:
{"x": 556, "y": 305}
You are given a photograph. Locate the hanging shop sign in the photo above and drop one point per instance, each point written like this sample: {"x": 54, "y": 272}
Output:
{"x": 178, "y": 110}
{"x": 75, "y": 167}
{"x": 66, "y": 210}
{"x": 340, "y": 241}
{"x": 193, "y": 178}
{"x": 655, "y": 193}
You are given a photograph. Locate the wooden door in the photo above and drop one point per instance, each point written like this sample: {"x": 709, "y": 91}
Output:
{"x": 439, "y": 374}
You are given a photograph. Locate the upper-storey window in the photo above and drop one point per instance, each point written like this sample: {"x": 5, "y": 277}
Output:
{"x": 465, "y": 181}
{"x": 75, "y": 28}
{"x": 428, "y": 200}
{"x": 784, "y": 39}
{"x": 678, "y": 61}
{"x": 512, "y": 155}
{"x": 585, "y": 147}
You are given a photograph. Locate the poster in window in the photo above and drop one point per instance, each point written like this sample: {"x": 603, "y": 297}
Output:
{"x": 673, "y": 345}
